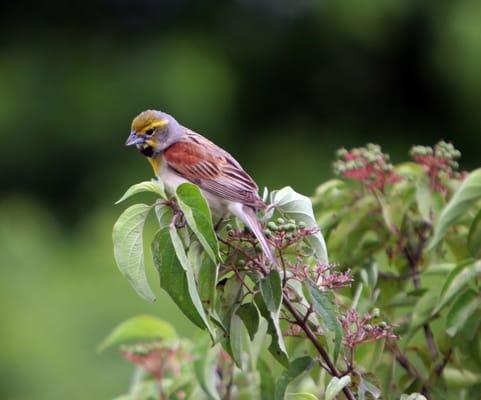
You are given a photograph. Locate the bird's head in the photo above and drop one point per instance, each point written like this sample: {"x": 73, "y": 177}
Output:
{"x": 153, "y": 131}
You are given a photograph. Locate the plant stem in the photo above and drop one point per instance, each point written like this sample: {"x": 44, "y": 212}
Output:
{"x": 406, "y": 364}
{"x": 439, "y": 369}
{"x": 312, "y": 337}
{"x": 413, "y": 260}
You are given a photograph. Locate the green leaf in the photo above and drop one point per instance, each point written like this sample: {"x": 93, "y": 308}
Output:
{"x": 300, "y": 396}
{"x": 146, "y": 390}
{"x": 207, "y": 273}
{"x": 267, "y": 380}
{"x": 250, "y": 317}
{"x": 424, "y": 198}
{"x": 456, "y": 281}
{"x": 422, "y": 311}
{"x": 198, "y": 216}
{"x": 271, "y": 289}
{"x": 394, "y": 207}
{"x": 367, "y": 387}
{"x": 277, "y": 346}
{"x": 164, "y": 215}
{"x": 324, "y": 307}
{"x": 129, "y": 250}
{"x": 468, "y": 193}
{"x": 205, "y": 366}
{"x": 296, "y": 368}
{"x": 461, "y": 378}
{"x": 474, "y": 236}
{"x": 299, "y": 207}
{"x": 141, "y": 327}
{"x": 154, "y": 186}
{"x": 461, "y": 311}
{"x": 176, "y": 276}
{"x": 235, "y": 339}
{"x": 335, "y": 386}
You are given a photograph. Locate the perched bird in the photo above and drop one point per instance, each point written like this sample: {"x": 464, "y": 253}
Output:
{"x": 180, "y": 155}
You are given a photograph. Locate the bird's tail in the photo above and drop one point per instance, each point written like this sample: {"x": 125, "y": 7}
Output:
{"x": 249, "y": 218}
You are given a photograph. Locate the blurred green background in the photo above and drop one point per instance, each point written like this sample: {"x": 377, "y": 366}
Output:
{"x": 280, "y": 84}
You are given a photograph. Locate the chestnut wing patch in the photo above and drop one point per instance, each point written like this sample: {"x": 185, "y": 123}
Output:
{"x": 213, "y": 170}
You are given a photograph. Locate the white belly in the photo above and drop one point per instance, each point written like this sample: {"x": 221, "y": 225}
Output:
{"x": 219, "y": 207}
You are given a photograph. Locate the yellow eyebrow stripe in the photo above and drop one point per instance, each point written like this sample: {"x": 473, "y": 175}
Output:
{"x": 156, "y": 124}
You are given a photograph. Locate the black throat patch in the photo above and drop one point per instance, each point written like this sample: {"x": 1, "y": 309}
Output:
{"x": 147, "y": 151}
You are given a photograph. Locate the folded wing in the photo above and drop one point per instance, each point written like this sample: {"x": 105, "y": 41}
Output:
{"x": 213, "y": 169}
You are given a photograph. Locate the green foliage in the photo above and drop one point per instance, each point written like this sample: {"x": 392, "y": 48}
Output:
{"x": 468, "y": 193}
{"x": 176, "y": 275}
{"x": 197, "y": 214}
{"x": 291, "y": 204}
{"x": 129, "y": 248}
{"x": 139, "y": 328}
{"x": 400, "y": 314}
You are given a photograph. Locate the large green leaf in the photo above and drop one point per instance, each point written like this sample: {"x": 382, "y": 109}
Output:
{"x": 271, "y": 289}
{"x": 465, "y": 196}
{"x": 154, "y": 186}
{"x": 250, "y": 317}
{"x": 422, "y": 311}
{"x": 461, "y": 311}
{"x": 198, "y": 216}
{"x": 296, "y": 368}
{"x": 205, "y": 369}
{"x": 206, "y": 271}
{"x": 139, "y": 328}
{"x": 461, "y": 378}
{"x": 176, "y": 276}
{"x": 335, "y": 387}
{"x": 474, "y": 236}
{"x": 267, "y": 386}
{"x": 324, "y": 308}
{"x": 299, "y": 207}
{"x": 395, "y": 206}
{"x": 277, "y": 346}
{"x": 301, "y": 396}
{"x": 207, "y": 282}
{"x": 456, "y": 281}
{"x": 235, "y": 339}
{"x": 129, "y": 250}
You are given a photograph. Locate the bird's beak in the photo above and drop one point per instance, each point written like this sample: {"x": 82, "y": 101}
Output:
{"x": 134, "y": 139}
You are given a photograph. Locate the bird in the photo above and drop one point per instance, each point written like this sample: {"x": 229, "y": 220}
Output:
{"x": 178, "y": 155}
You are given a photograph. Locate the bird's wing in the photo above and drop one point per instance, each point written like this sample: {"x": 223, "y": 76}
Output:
{"x": 212, "y": 169}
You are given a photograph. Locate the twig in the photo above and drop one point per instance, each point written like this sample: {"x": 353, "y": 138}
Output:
{"x": 333, "y": 371}
{"x": 406, "y": 364}
{"x": 439, "y": 369}
{"x": 283, "y": 264}
{"x": 413, "y": 260}
{"x": 239, "y": 276}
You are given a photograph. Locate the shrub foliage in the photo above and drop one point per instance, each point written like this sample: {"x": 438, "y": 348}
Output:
{"x": 393, "y": 311}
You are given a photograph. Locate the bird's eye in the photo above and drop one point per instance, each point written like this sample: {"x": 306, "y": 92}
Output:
{"x": 149, "y": 132}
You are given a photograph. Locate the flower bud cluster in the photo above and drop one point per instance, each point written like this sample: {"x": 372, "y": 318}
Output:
{"x": 359, "y": 330}
{"x": 368, "y": 165}
{"x": 438, "y": 162}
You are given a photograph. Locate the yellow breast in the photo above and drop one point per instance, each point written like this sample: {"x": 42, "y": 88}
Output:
{"x": 156, "y": 163}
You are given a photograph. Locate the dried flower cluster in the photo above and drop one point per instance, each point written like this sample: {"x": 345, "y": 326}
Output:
{"x": 321, "y": 275}
{"x": 439, "y": 163}
{"x": 359, "y": 330}
{"x": 368, "y": 165}
{"x": 155, "y": 358}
